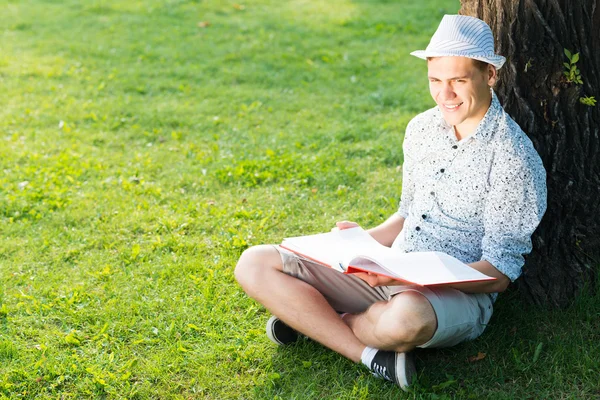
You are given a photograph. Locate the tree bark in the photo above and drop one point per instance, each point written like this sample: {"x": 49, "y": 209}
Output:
{"x": 533, "y": 34}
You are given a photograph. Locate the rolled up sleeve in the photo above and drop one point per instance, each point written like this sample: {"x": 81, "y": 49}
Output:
{"x": 514, "y": 208}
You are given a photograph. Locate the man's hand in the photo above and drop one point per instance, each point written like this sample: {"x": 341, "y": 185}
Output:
{"x": 341, "y": 225}
{"x": 377, "y": 280}
{"x": 372, "y": 279}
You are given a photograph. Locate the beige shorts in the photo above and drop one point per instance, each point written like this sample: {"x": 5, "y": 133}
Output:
{"x": 460, "y": 316}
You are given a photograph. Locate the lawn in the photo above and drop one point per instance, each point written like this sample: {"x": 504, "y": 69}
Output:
{"x": 145, "y": 144}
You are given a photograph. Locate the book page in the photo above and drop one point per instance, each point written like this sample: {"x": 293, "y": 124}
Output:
{"x": 423, "y": 268}
{"x": 333, "y": 249}
{"x": 355, "y": 250}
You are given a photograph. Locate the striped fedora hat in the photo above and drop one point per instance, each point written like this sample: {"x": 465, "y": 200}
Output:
{"x": 462, "y": 36}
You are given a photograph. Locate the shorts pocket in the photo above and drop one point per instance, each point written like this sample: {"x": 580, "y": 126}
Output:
{"x": 485, "y": 308}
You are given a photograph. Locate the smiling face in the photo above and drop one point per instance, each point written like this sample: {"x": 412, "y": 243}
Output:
{"x": 461, "y": 89}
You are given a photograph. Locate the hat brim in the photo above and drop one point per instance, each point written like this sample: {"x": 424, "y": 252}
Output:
{"x": 496, "y": 60}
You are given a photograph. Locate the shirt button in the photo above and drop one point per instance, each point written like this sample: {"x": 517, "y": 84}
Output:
{"x": 418, "y": 228}
{"x": 424, "y": 216}
{"x": 455, "y": 147}
{"x": 442, "y": 170}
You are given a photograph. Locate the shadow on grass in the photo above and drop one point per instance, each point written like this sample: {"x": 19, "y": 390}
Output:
{"x": 307, "y": 370}
{"x": 526, "y": 352}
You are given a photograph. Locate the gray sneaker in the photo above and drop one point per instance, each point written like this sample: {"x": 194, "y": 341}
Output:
{"x": 398, "y": 368}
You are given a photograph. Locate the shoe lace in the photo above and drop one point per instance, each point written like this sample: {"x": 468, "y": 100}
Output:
{"x": 380, "y": 370}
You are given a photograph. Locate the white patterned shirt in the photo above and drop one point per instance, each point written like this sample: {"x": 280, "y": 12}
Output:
{"x": 479, "y": 198}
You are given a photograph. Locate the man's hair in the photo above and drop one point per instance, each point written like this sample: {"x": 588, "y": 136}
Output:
{"x": 480, "y": 65}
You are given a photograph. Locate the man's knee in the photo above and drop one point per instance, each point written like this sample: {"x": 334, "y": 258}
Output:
{"x": 252, "y": 264}
{"x": 409, "y": 320}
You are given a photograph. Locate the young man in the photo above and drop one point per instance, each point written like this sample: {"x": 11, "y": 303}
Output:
{"x": 473, "y": 187}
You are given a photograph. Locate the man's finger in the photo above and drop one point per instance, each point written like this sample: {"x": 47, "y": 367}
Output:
{"x": 371, "y": 280}
{"x": 346, "y": 224}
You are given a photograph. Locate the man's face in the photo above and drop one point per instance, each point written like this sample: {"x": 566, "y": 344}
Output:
{"x": 461, "y": 90}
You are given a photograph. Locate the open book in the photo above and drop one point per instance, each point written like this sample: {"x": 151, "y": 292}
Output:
{"x": 354, "y": 250}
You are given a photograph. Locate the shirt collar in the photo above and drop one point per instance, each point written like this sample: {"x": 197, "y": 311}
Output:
{"x": 489, "y": 123}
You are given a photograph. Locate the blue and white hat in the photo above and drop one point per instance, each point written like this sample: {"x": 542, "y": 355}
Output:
{"x": 462, "y": 36}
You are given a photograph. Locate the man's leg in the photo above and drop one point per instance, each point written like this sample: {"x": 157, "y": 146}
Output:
{"x": 260, "y": 273}
{"x": 406, "y": 321}
{"x": 401, "y": 324}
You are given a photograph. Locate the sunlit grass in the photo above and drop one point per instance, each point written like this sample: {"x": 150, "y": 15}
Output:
{"x": 145, "y": 144}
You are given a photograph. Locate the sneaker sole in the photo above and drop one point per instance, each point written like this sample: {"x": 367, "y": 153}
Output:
{"x": 270, "y": 333}
{"x": 405, "y": 363}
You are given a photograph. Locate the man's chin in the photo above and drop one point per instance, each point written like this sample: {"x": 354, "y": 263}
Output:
{"x": 451, "y": 120}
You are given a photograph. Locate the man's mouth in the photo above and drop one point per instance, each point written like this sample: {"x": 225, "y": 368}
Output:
{"x": 452, "y": 107}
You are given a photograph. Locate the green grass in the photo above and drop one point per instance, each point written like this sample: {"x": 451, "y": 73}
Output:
{"x": 145, "y": 144}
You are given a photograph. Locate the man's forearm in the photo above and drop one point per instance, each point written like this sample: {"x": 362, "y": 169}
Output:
{"x": 386, "y": 232}
{"x": 499, "y": 285}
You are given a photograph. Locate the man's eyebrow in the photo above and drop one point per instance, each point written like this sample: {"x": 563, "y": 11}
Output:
{"x": 450, "y": 79}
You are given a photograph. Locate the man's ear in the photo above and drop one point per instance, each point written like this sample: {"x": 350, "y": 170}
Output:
{"x": 492, "y": 75}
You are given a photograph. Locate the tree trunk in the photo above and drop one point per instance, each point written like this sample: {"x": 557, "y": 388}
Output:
{"x": 533, "y": 34}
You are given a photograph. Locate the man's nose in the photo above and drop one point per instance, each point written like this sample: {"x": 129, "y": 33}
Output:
{"x": 448, "y": 92}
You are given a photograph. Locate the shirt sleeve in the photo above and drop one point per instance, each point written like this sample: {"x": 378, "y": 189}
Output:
{"x": 514, "y": 208}
{"x": 408, "y": 185}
